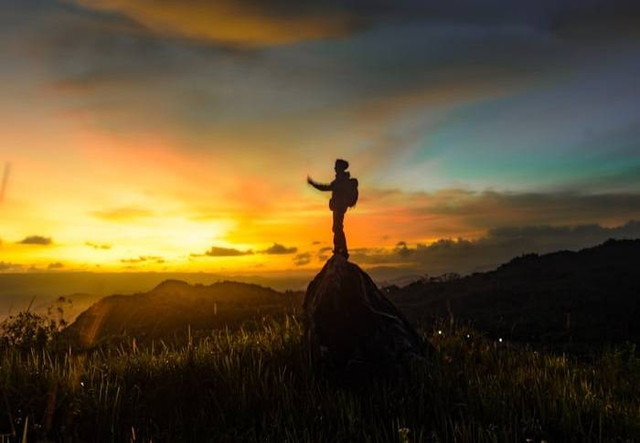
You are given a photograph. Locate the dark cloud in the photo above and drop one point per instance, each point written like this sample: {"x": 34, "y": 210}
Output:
{"x": 97, "y": 245}
{"x": 302, "y": 259}
{"x": 56, "y": 265}
{"x": 454, "y": 212}
{"x": 276, "y": 22}
{"x": 496, "y": 247}
{"x": 277, "y": 249}
{"x": 143, "y": 259}
{"x": 217, "y": 251}
{"x": 242, "y": 24}
{"x": 597, "y": 19}
{"x": 126, "y": 213}
{"x": 36, "y": 240}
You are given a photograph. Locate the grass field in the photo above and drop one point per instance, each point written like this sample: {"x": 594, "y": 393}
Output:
{"x": 260, "y": 386}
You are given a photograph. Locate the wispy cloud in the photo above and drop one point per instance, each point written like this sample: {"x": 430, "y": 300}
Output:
{"x": 5, "y": 180}
{"x": 103, "y": 246}
{"x": 123, "y": 214}
{"x": 243, "y": 24}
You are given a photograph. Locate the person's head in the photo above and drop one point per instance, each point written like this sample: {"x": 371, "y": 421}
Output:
{"x": 341, "y": 165}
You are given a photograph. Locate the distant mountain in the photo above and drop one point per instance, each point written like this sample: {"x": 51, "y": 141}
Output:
{"x": 174, "y": 305}
{"x": 585, "y": 296}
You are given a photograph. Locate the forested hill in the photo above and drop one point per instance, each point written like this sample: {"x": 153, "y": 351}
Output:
{"x": 173, "y": 306}
{"x": 585, "y": 296}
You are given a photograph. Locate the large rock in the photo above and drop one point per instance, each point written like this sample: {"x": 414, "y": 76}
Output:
{"x": 349, "y": 323}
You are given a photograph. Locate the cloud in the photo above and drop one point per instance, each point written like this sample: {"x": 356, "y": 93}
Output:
{"x": 97, "y": 245}
{"x": 143, "y": 259}
{"x": 217, "y": 251}
{"x": 5, "y": 180}
{"x": 277, "y": 249}
{"x": 6, "y": 266}
{"x": 499, "y": 245}
{"x": 123, "y": 214}
{"x": 245, "y": 23}
{"x": 468, "y": 213}
{"x": 302, "y": 259}
{"x": 598, "y": 19}
{"x": 259, "y": 23}
{"x": 36, "y": 240}
{"x": 56, "y": 265}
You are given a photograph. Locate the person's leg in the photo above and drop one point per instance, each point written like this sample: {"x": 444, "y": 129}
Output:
{"x": 339, "y": 239}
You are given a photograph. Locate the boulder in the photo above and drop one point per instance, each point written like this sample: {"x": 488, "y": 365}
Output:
{"x": 349, "y": 323}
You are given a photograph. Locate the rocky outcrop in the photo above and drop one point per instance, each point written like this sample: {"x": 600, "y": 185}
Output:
{"x": 349, "y": 323}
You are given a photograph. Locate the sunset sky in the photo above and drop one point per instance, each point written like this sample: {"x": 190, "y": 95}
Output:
{"x": 173, "y": 135}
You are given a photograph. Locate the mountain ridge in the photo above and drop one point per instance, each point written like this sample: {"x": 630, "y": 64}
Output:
{"x": 173, "y": 305}
{"x": 588, "y": 295}
{"x": 565, "y": 296}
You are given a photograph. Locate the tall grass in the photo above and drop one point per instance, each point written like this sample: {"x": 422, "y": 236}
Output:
{"x": 260, "y": 385}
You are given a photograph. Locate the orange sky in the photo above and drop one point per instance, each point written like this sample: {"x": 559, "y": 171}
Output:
{"x": 178, "y": 137}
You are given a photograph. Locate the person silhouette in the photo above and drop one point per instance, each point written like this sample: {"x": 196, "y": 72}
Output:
{"x": 344, "y": 194}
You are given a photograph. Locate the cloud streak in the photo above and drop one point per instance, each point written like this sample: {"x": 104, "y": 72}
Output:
{"x": 241, "y": 24}
{"x": 260, "y": 23}
{"x": 36, "y": 240}
{"x": 102, "y": 246}
{"x": 123, "y": 214}
{"x": 143, "y": 259}
{"x": 5, "y": 180}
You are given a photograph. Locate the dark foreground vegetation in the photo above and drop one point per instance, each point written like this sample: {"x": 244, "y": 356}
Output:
{"x": 259, "y": 385}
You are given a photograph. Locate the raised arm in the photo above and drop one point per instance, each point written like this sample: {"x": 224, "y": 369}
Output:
{"x": 318, "y": 186}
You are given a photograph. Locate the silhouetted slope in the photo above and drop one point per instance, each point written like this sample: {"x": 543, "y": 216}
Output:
{"x": 589, "y": 295}
{"x": 173, "y": 305}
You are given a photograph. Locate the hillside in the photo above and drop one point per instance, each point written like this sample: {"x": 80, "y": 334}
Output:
{"x": 592, "y": 295}
{"x": 174, "y": 305}
{"x": 585, "y": 296}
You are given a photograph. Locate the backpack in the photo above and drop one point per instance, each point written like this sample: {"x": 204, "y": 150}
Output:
{"x": 351, "y": 193}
